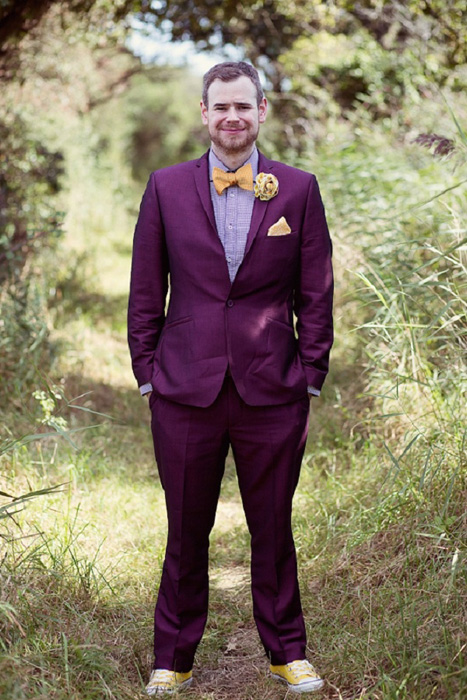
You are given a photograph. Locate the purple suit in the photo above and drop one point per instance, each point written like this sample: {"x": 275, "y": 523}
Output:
{"x": 212, "y": 323}
{"x": 245, "y": 329}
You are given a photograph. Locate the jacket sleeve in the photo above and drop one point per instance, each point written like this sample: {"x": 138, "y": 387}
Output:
{"x": 314, "y": 293}
{"x": 148, "y": 285}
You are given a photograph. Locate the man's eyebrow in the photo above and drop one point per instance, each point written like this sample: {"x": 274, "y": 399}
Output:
{"x": 240, "y": 104}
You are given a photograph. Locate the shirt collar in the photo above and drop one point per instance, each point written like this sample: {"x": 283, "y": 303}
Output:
{"x": 214, "y": 162}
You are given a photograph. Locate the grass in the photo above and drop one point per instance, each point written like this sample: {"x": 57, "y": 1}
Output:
{"x": 381, "y": 556}
{"x": 392, "y": 576}
{"x": 380, "y": 519}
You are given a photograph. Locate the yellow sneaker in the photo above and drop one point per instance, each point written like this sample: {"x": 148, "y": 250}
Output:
{"x": 300, "y": 676}
{"x": 165, "y": 681}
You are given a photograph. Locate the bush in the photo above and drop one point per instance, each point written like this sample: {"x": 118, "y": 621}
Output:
{"x": 29, "y": 178}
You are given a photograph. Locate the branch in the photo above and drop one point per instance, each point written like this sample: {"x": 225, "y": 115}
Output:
{"x": 115, "y": 87}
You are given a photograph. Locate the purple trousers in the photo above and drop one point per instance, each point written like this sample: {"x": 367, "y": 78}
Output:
{"x": 191, "y": 445}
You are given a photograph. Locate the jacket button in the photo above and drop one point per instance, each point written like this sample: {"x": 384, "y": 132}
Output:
{"x": 230, "y": 303}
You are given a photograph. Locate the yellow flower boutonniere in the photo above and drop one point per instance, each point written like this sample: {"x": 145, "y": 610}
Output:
{"x": 266, "y": 186}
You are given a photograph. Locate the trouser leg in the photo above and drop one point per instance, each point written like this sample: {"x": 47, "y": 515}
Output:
{"x": 191, "y": 446}
{"x": 268, "y": 444}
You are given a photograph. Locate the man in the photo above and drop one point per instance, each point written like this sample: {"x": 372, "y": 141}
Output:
{"x": 245, "y": 243}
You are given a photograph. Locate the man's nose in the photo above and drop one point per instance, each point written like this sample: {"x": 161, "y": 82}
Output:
{"x": 232, "y": 115}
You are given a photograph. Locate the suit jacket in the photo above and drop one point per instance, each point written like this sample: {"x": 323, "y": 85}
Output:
{"x": 210, "y": 323}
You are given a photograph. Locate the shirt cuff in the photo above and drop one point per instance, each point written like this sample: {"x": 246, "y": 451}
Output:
{"x": 145, "y": 388}
{"x": 314, "y": 392}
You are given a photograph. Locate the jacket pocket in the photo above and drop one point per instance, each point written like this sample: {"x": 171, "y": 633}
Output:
{"x": 281, "y": 324}
{"x": 177, "y": 322}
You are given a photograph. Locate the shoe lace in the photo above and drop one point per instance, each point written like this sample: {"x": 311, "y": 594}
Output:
{"x": 161, "y": 675}
{"x": 301, "y": 668}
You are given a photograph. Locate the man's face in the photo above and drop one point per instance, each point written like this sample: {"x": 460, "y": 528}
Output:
{"x": 233, "y": 115}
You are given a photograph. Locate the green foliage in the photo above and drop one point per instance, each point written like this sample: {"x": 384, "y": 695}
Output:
{"x": 24, "y": 336}
{"x": 18, "y": 19}
{"x": 385, "y": 49}
{"x": 343, "y": 73}
{"x": 262, "y": 29}
{"x": 29, "y": 175}
{"x": 162, "y": 111}
{"x": 43, "y": 151}
{"x": 16, "y": 503}
{"x": 380, "y": 512}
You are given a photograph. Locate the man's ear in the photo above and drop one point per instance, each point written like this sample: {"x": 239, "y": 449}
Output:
{"x": 262, "y": 110}
{"x": 204, "y": 112}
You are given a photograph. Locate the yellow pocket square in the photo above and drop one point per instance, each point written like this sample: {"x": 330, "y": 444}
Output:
{"x": 280, "y": 228}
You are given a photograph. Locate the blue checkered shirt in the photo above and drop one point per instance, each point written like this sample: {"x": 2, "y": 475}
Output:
{"x": 232, "y": 211}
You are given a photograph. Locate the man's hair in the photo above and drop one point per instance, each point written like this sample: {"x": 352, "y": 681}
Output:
{"x": 229, "y": 71}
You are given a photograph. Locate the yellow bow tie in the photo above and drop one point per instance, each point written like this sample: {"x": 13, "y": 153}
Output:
{"x": 243, "y": 177}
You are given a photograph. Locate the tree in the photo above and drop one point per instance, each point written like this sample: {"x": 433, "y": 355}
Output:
{"x": 414, "y": 42}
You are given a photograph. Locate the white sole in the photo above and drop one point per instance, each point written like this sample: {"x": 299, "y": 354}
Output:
{"x": 307, "y": 687}
{"x": 169, "y": 691}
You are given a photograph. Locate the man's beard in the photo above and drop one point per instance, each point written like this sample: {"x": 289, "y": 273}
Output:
{"x": 230, "y": 145}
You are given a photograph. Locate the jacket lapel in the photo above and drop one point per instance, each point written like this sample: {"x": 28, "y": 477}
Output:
{"x": 204, "y": 192}
{"x": 259, "y": 207}
{"x": 202, "y": 185}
